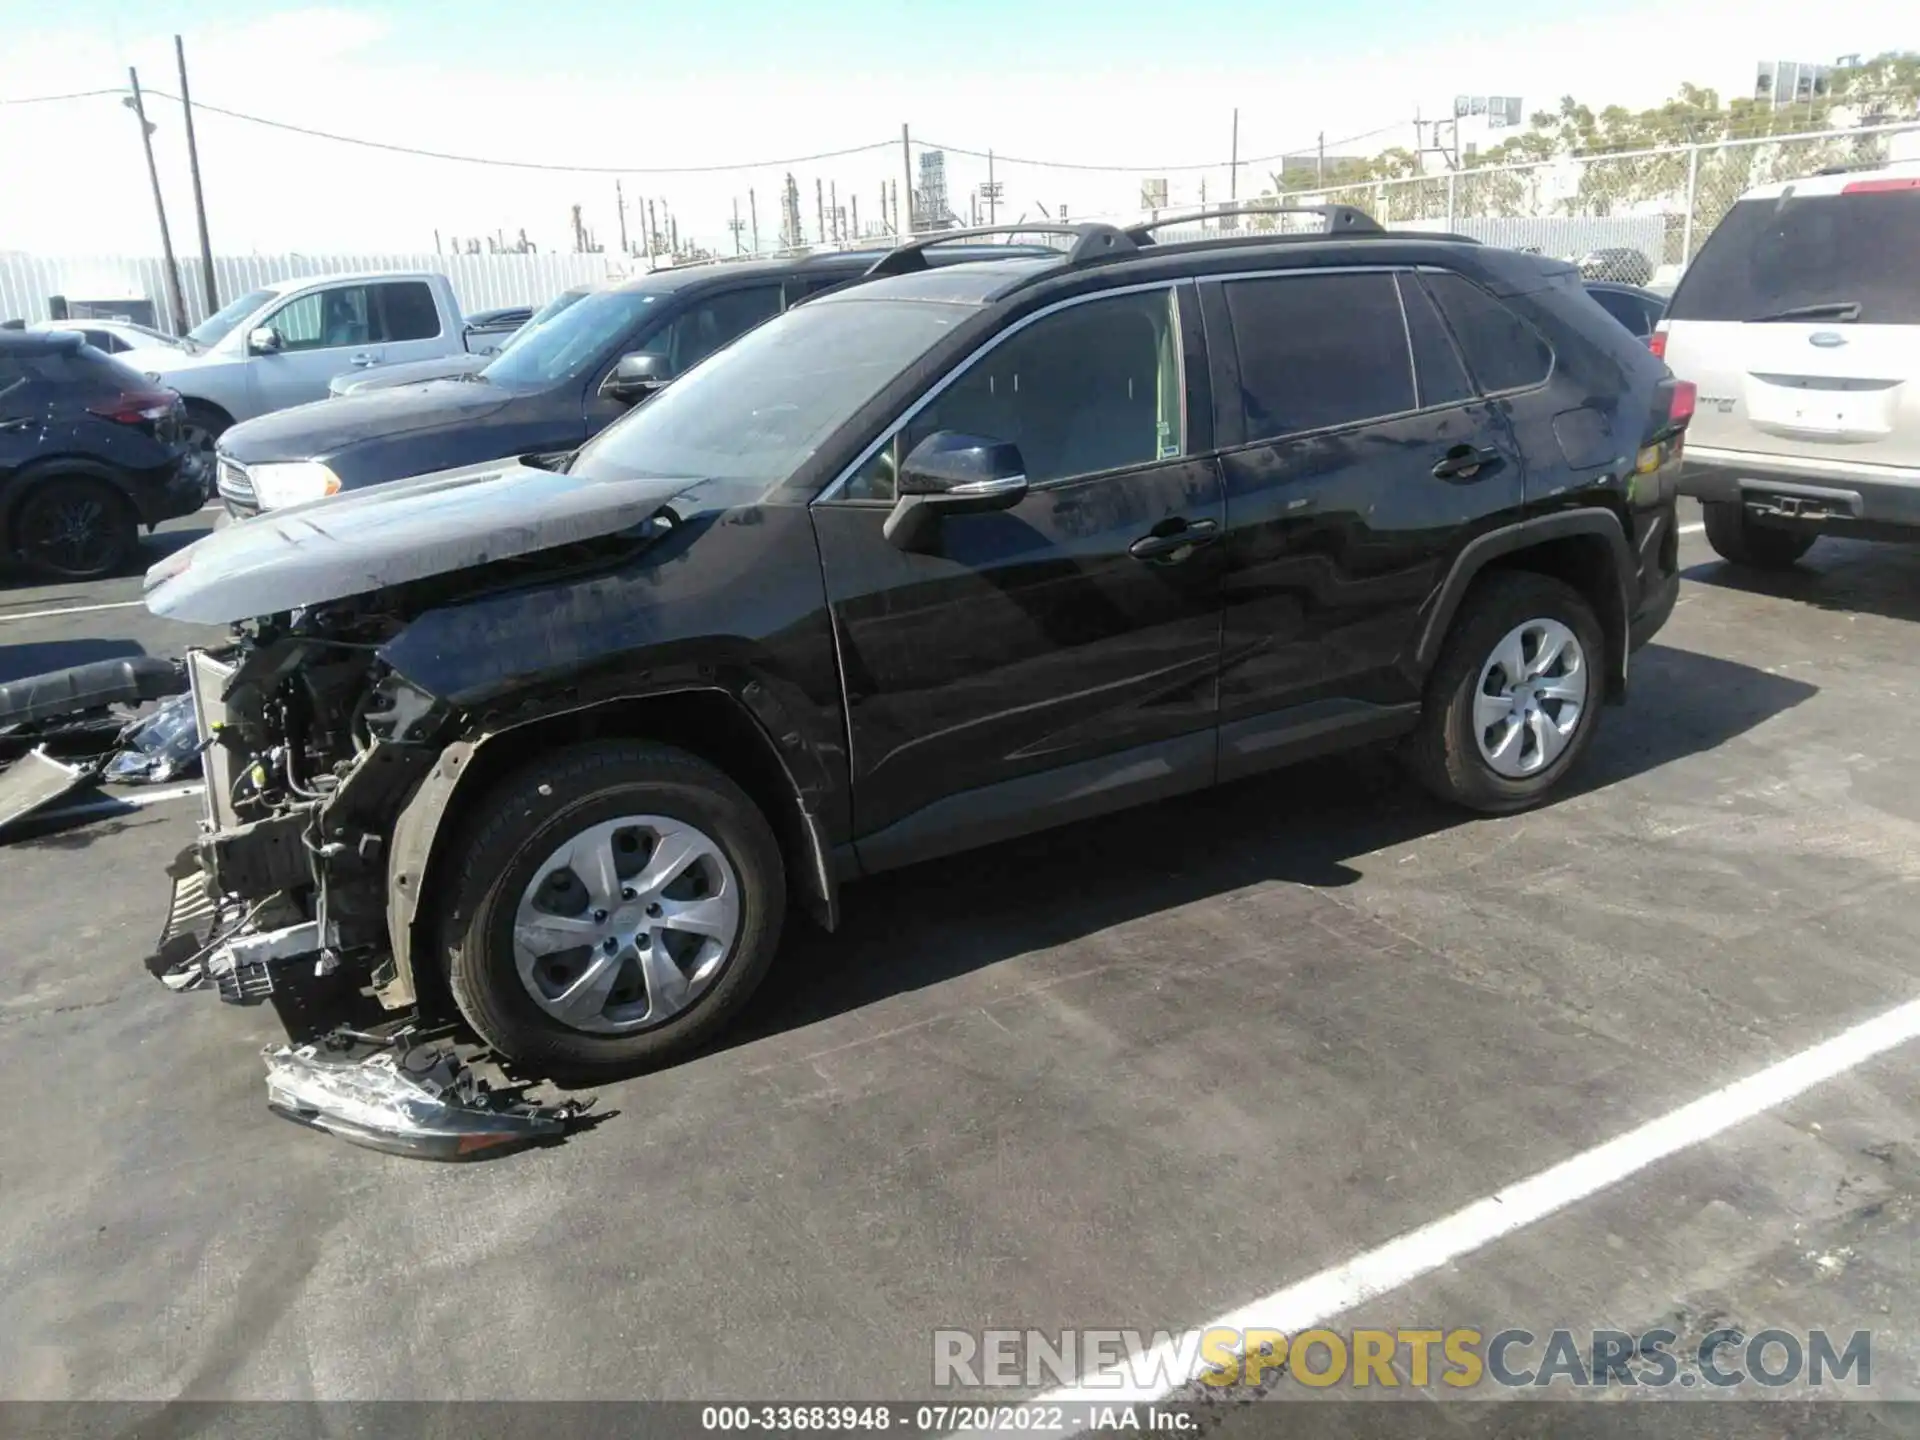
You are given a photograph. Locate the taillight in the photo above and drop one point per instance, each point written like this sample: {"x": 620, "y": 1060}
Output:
{"x": 1680, "y": 406}
{"x": 1880, "y": 187}
{"x": 135, "y": 407}
{"x": 1657, "y": 343}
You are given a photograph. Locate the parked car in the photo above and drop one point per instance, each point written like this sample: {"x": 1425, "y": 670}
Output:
{"x": 497, "y": 324}
{"x": 280, "y": 345}
{"x": 569, "y": 379}
{"x": 1616, "y": 262}
{"x": 449, "y": 367}
{"x": 1800, "y": 323}
{"x": 1634, "y": 306}
{"x": 922, "y": 564}
{"x": 111, "y": 337}
{"x": 90, "y": 451}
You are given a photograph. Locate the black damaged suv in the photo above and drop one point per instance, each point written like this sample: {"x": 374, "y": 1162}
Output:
{"x": 954, "y": 554}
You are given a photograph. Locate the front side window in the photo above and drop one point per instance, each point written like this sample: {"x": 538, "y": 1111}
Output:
{"x": 1318, "y": 351}
{"x": 1503, "y": 351}
{"x": 324, "y": 320}
{"x": 569, "y": 344}
{"x": 707, "y": 325}
{"x": 1092, "y": 387}
{"x": 218, "y": 325}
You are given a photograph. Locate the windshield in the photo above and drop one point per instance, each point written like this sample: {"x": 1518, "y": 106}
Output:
{"x": 218, "y": 325}
{"x": 572, "y": 343}
{"x": 1826, "y": 251}
{"x": 540, "y": 317}
{"x": 758, "y": 409}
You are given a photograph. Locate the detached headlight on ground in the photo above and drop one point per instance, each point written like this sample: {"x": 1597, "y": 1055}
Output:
{"x": 292, "y": 484}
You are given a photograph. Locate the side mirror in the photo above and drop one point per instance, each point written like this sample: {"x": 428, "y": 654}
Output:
{"x": 952, "y": 474}
{"x": 634, "y": 377}
{"x": 263, "y": 340}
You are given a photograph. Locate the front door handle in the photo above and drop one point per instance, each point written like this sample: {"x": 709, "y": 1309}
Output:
{"x": 1172, "y": 536}
{"x": 1466, "y": 462}
{"x": 362, "y": 361}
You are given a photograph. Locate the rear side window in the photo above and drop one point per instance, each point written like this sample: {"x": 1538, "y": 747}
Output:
{"x": 1436, "y": 364}
{"x": 1770, "y": 256}
{"x": 1317, "y": 351}
{"x": 1503, "y": 351}
{"x": 407, "y": 311}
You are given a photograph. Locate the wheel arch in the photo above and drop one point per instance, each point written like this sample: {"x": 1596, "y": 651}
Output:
{"x": 712, "y": 723}
{"x": 1586, "y": 548}
{"x": 37, "y": 472}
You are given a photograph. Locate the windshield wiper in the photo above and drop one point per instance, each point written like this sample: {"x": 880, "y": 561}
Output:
{"x": 1830, "y": 310}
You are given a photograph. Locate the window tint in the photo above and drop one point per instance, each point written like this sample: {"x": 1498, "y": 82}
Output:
{"x": 715, "y": 322}
{"x": 325, "y": 320}
{"x": 1436, "y": 363}
{"x": 1630, "y": 310}
{"x": 1092, "y": 387}
{"x": 1502, "y": 350}
{"x": 1319, "y": 350}
{"x": 407, "y": 311}
{"x": 104, "y": 341}
{"x": 1774, "y": 255}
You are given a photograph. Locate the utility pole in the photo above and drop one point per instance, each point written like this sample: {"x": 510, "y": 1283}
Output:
{"x": 854, "y": 201}
{"x": 753, "y": 215}
{"x": 883, "y": 205}
{"x": 736, "y": 224}
{"x": 208, "y": 284}
{"x": 1233, "y": 165}
{"x": 620, "y": 203}
{"x": 174, "y": 302}
{"x": 653, "y": 234}
{"x": 906, "y": 169}
{"x": 833, "y": 209}
{"x": 993, "y": 192}
{"x": 820, "y": 208}
{"x": 895, "y": 187}
{"x": 1320, "y": 161}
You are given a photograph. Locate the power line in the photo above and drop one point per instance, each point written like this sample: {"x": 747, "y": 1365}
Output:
{"x": 72, "y": 95}
{"x": 1000, "y": 158}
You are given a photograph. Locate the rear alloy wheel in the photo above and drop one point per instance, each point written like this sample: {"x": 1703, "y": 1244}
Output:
{"x": 619, "y": 904}
{"x": 1738, "y": 540}
{"x": 74, "y": 527}
{"x": 1515, "y": 696}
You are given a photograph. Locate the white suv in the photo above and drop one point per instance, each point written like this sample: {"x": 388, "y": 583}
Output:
{"x": 1800, "y": 323}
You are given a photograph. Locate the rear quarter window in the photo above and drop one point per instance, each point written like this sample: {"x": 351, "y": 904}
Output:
{"x": 1768, "y": 256}
{"x": 1503, "y": 351}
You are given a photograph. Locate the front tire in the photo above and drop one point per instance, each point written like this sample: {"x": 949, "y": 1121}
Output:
{"x": 1739, "y": 541}
{"x": 1516, "y": 694}
{"x": 204, "y": 426}
{"x": 617, "y": 905}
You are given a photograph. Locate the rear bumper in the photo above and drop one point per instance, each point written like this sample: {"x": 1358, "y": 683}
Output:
{"x": 1782, "y": 490}
{"x": 1657, "y": 543}
{"x": 168, "y": 494}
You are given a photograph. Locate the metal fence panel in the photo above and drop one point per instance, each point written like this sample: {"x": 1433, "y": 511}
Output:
{"x": 482, "y": 282}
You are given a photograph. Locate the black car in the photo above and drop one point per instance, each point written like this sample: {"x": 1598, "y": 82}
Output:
{"x": 90, "y": 450}
{"x": 1617, "y": 262}
{"x": 939, "y": 559}
{"x": 1635, "y": 307}
{"x": 577, "y": 373}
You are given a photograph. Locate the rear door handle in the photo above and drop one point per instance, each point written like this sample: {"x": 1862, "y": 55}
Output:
{"x": 1170, "y": 537}
{"x": 1465, "y": 462}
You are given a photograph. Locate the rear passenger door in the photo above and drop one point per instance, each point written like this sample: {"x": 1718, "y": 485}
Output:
{"x": 1355, "y": 454}
{"x": 407, "y": 324}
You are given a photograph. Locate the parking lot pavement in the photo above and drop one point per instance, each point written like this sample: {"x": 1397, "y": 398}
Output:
{"x": 1127, "y": 1074}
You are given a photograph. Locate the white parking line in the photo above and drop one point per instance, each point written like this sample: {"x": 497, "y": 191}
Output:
{"x": 73, "y": 610}
{"x": 1152, "y": 1375}
{"x": 116, "y": 804}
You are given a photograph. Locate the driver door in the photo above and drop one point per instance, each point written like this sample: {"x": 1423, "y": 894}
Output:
{"x": 1059, "y": 658}
{"x": 323, "y": 333}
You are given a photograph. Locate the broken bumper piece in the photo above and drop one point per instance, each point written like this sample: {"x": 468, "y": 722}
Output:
{"x": 422, "y": 1101}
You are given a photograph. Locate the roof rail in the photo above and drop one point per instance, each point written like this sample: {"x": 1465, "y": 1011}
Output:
{"x": 1091, "y": 241}
{"x": 1341, "y": 219}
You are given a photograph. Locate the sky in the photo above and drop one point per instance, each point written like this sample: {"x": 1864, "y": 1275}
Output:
{"x": 642, "y": 87}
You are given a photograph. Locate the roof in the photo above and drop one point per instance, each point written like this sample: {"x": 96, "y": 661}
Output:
{"x": 972, "y": 282}
{"x": 1836, "y": 183}
{"x": 850, "y": 263}
{"x": 39, "y": 342}
{"x": 294, "y": 282}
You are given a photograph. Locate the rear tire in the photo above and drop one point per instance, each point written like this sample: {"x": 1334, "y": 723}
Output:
{"x": 1739, "y": 541}
{"x": 75, "y": 527}
{"x": 1499, "y": 742}
{"x": 528, "y": 874}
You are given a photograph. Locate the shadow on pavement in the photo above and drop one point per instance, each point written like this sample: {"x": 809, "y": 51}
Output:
{"x": 1303, "y": 826}
{"x": 1841, "y": 575}
{"x": 37, "y": 657}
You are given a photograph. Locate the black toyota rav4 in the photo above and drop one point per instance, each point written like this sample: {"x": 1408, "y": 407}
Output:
{"x": 954, "y": 554}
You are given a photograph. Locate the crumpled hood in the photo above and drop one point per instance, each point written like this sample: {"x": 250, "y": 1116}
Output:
{"x": 326, "y": 427}
{"x": 357, "y": 543}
